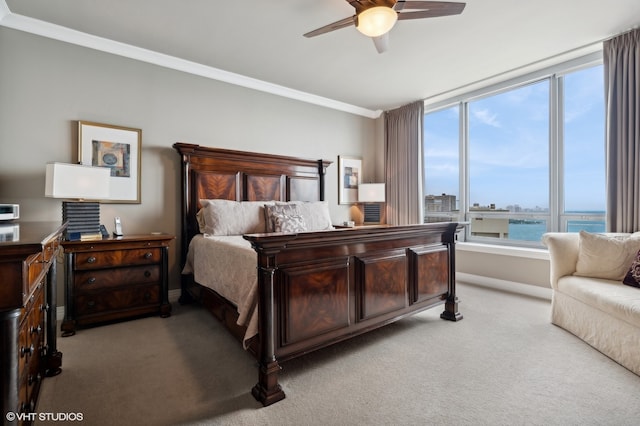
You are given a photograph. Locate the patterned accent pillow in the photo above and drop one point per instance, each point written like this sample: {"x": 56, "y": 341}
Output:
{"x": 289, "y": 223}
{"x": 284, "y": 218}
{"x": 633, "y": 275}
{"x": 270, "y": 211}
{"x": 315, "y": 214}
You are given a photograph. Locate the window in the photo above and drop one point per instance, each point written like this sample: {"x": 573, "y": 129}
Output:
{"x": 441, "y": 165}
{"x": 520, "y": 160}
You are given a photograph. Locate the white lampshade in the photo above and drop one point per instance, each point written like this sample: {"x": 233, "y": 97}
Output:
{"x": 376, "y": 21}
{"x": 371, "y": 193}
{"x": 76, "y": 181}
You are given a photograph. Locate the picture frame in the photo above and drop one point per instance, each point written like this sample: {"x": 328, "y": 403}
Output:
{"x": 349, "y": 178}
{"x": 118, "y": 148}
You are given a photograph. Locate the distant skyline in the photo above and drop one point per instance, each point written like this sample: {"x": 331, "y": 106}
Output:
{"x": 509, "y": 146}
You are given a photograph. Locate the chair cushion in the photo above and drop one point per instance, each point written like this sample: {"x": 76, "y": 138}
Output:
{"x": 612, "y": 297}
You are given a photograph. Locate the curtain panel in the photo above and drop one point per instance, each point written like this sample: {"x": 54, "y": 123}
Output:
{"x": 622, "y": 97}
{"x": 403, "y": 163}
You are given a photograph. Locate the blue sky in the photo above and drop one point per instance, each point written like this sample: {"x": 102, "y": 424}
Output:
{"x": 509, "y": 148}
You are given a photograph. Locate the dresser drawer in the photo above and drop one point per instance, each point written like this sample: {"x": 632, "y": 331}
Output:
{"x": 108, "y": 278}
{"x": 111, "y": 258}
{"x": 35, "y": 273}
{"x": 124, "y": 298}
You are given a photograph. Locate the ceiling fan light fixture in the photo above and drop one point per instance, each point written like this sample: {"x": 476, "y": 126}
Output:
{"x": 376, "y": 21}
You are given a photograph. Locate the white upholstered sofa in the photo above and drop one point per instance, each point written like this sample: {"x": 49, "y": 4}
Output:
{"x": 590, "y": 299}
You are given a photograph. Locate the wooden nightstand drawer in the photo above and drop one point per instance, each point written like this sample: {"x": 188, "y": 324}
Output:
{"x": 115, "y": 279}
{"x": 105, "y": 278}
{"x": 114, "y": 258}
{"x": 124, "y": 298}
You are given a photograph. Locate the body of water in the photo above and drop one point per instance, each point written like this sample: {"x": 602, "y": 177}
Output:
{"x": 534, "y": 231}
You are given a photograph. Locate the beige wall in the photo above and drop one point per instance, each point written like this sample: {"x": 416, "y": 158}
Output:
{"x": 46, "y": 85}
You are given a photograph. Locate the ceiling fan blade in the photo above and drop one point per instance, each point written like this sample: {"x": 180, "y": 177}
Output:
{"x": 426, "y": 14}
{"x": 343, "y": 23}
{"x": 381, "y": 42}
{"x": 447, "y": 8}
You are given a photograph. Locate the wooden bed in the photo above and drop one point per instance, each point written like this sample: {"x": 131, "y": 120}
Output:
{"x": 315, "y": 288}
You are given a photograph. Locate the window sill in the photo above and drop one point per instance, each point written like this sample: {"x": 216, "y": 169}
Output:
{"x": 526, "y": 252}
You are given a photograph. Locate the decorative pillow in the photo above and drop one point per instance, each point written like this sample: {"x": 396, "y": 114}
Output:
{"x": 227, "y": 217}
{"x": 289, "y": 223}
{"x": 608, "y": 257}
{"x": 285, "y": 218}
{"x": 315, "y": 214}
{"x": 633, "y": 275}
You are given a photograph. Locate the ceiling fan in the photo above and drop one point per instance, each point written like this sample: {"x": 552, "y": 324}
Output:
{"x": 375, "y": 18}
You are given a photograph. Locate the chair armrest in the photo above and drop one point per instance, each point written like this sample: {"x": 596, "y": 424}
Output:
{"x": 563, "y": 254}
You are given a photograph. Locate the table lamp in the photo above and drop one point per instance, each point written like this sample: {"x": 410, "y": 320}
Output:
{"x": 78, "y": 183}
{"x": 371, "y": 195}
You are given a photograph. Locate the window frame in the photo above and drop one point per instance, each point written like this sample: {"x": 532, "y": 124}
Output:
{"x": 556, "y": 218}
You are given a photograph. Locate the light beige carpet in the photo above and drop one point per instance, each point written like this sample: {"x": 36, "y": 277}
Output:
{"x": 503, "y": 364}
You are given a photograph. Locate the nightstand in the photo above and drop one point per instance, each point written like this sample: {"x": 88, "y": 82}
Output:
{"x": 115, "y": 279}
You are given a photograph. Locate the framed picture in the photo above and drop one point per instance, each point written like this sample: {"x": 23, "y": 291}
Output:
{"x": 117, "y": 148}
{"x": 349, "y": 177}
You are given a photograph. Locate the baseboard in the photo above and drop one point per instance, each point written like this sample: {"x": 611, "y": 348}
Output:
{"x": 503, "y": 285}
{"x": 174, "y": 295}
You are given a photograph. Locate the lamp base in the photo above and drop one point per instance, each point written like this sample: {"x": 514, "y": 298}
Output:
{"x": 83, "y": 218}
{"x": 372, "y": 213}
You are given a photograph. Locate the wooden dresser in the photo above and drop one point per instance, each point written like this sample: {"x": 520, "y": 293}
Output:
{"x": 115, "y": 278}
{"x": 28, "y": 349}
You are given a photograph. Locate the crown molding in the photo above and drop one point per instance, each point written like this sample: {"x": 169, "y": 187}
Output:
{"x": 67, "y": 35}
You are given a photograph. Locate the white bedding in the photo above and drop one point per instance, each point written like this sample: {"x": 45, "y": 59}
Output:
{"x": 228, "y": 265}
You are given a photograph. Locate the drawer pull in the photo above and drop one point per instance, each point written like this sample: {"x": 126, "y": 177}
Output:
{"x": 92, "y": 259}
{"x": 148, "y": 255}
{"x": 44, "y": 308}
{"x": 26, "y": 351}
{"x": 91, "y": 280}
{"x": 36, "y": 330}
{"x": 147, "y": 274}
{"x": 34, "y": 379}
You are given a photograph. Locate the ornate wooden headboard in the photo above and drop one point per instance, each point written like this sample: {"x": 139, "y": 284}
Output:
{"x": 209, "y": 173}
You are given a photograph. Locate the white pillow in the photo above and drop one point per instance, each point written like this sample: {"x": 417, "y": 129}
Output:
{"x": 608, "y": 257}
{"x": 227, "y": 217}
{"x": 315, "y": 214}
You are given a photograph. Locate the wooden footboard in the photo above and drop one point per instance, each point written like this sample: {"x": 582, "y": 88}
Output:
{"x": 323, "y": 287}
{"x": 315, "y": 288}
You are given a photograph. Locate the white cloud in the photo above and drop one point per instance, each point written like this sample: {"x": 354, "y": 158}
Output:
{"x": 485, "y": 117}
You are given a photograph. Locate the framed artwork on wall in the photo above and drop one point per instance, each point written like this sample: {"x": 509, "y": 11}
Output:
{"x": 117, "y": 148}
{"x": 349, "y": 177}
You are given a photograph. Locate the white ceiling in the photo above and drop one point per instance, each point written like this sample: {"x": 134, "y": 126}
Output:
{"x": 259, "y": 44}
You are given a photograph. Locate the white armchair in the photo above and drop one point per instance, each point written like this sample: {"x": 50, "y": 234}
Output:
{"x": 589, "y": 298}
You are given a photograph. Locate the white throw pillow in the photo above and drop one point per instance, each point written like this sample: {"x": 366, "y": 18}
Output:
{"x": 608, "y": 257}
{"x": 227, "y": 217}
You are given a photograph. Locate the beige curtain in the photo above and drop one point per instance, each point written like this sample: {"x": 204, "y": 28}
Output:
{"x": 622, "y": 95}
{"x": 403, "y": 163}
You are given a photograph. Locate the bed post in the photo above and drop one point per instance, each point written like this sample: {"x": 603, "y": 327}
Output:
{"x": 451, "y": 312}
{"x": 267, "y": 390}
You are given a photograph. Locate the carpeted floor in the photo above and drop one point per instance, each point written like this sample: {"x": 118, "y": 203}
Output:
{"x": 503, "y": 364}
